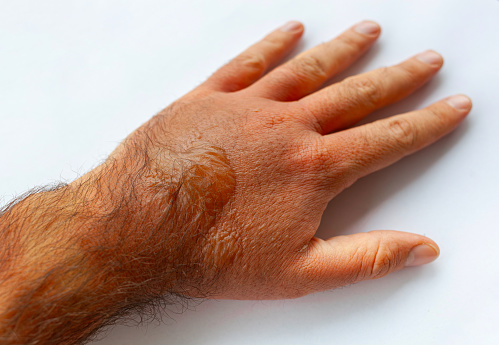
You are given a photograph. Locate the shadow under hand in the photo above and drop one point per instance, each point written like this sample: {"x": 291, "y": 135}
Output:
{"x": 295, "y": 321}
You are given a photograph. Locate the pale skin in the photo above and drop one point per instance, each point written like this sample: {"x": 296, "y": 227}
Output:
{"x": 251, "y": 158}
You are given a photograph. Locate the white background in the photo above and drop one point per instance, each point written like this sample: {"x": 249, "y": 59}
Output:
{"x": 77, "y": 76}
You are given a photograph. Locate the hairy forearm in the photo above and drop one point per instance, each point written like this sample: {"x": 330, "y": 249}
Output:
{"x": 48, "y": 281}
{"x": 79, "y": 256}
{"x": 134, "y": 231}
{"x": 56, "y": 287}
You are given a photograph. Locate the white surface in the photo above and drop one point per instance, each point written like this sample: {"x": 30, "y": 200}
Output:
{"x": 77, "y": 76}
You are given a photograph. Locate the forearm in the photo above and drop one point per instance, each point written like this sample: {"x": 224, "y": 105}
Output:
{"x": 75, "y": 258}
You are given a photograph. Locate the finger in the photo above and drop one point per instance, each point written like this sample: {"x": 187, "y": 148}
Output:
{"x": 343, "y": 104}
{"x": 359, "y": 151}
{"x": 344, "y": 260}
{"x": 250, "y": 65}
{"x": 309, "y": 70}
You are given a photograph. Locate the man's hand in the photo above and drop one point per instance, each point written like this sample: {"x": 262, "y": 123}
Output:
{"x": 221, "y": 193}
{"x": 260, "y": 156}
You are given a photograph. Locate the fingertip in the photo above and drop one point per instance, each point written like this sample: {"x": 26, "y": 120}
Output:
{"x": 422, "y": 254}
{"x": 368, "y": 28}
{"x": 431, "y": 57}
{"x": 460, "y": 102}
{"x": 293, "y": 26}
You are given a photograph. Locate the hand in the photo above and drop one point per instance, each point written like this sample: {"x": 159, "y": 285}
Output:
{"x": 221, "y": 193}
{"x": 252, "y": 161}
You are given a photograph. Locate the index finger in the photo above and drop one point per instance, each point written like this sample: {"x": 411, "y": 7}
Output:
{"x": 251, "y": 64}
{"x": 373, "y": 146}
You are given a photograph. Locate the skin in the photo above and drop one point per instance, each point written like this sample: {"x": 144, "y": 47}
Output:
{"x": 221, "y": 193}
{"x": 291, "y": 150}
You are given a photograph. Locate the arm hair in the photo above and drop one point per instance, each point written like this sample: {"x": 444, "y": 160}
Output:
{"x": 75, "y": 258}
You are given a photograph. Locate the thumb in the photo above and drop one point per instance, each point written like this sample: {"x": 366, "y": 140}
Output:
{"x": 344, "y": 260}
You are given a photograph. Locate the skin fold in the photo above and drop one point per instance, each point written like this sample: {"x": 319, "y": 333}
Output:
{"x": 221, "y": 193}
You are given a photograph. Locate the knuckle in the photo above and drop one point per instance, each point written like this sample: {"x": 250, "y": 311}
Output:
{"x": 383, "y": 73}
{"x": 412, "y": 72}
{"x": 314, "y": 158}
{"x": 322, "y": 168}
{"x": 314, "y": 163}
{"x": 310, "y": 67}
{"x": 274, "y": 42}
{"x": 351, "y": 41}
{"x": 436, "y": 112}
{"x": 313, "y": 114}
{"x": 254, "y": 62}
{"x": 380, "y": 262}
{"x": 402, "y": 131}
{"x": 305, "y": 156}
{"x": 365, "y": 89}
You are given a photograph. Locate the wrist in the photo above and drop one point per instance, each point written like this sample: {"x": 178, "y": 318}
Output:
{"x": 168, "y": 199}
{"x": 123, "y": 227}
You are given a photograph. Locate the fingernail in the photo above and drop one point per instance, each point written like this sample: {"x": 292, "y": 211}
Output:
{"x": 291, "y": 26}
{"x": 422, "y": 254}
{"x": 367, "y": 28}
{"x": 430, "y": 57}
{"x": 460, "y": 102}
